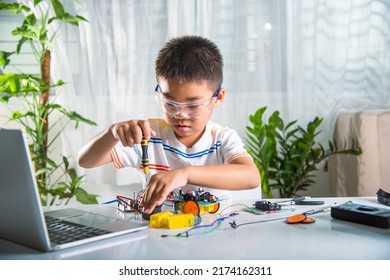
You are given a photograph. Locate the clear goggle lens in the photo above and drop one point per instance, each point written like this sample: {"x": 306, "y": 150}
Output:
{"x": 184, "y": 110}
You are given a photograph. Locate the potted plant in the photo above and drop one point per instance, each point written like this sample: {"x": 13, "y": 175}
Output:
{"x": 57, "y": 180}
{"x": 288, "y": 155}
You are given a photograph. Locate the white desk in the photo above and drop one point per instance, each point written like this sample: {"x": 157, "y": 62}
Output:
{"x": 327, "y": 238}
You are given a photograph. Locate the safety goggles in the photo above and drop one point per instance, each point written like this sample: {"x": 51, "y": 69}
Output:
{"x": 190, "y": 110}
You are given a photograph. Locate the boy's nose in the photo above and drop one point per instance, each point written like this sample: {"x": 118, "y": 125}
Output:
{"x": 180, "y": 115}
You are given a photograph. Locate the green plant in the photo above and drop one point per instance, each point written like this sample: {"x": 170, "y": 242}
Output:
{"x": 57, "y": 181}
{"x": 287, "y": 155}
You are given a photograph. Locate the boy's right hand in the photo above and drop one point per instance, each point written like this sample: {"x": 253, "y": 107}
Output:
{"x": 131, "y": 132}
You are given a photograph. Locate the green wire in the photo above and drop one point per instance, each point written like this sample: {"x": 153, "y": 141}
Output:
{"x": 186, "y": 233}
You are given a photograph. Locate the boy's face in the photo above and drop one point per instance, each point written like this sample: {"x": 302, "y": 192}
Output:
{"x": 188, "y": 107}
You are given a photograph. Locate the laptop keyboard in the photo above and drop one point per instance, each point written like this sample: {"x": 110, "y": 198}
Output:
{"x": 62, "y": 232}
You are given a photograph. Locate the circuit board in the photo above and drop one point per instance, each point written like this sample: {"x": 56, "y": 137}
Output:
{"x": 195, "y": 202}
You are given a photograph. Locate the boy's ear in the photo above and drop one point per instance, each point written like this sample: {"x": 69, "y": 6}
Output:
{"x": 221, "y": 97}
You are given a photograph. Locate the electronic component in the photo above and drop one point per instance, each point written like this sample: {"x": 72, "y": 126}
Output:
{"x": 265, "y": 205}
{"x": 129, "y": 205}
{"x": 170, "y": 220}
{"x": 195, "y": 202}
{"x": 156, "y": 209}
{"x": 362, "y": 214}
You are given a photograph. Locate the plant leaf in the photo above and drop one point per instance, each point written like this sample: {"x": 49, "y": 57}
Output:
{"x": 83, "y": 197}
{"x": 287, "y": 156}
{"x": 15, "y": 8}
{"x": 4, "y": 58}
{"x": 58, "y": 8}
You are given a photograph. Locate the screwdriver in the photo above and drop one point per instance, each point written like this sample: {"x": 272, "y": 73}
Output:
{"x": 145, "y": 157}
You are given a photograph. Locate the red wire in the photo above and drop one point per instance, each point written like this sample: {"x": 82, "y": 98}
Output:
{"x": 121, "y": 199}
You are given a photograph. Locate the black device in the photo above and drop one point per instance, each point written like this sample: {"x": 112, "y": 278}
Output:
{"x": 265, "y": 205}
{"x": 362, "y": 214}
{"x": 383, "y": 197}
{"x": 308, "y": 202}
{"x": 157, "y": 209}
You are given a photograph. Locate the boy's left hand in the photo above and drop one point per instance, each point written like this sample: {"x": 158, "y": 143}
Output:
{"x": 160, "y": 185}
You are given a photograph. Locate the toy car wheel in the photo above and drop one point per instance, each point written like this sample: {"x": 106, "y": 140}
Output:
{"x": 191, "y": 207}
{"x": 214, "y": 209}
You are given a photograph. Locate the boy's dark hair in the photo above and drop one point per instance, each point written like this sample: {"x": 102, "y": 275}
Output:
{"x": 191, "y": 59}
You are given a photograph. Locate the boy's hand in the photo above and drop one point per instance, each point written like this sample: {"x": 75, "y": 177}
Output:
{"x": 131, "y": 132}
{"x": 160, "y": 185}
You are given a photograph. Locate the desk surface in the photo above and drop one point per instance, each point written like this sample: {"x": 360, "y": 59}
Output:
{"x": 327, "y": 238}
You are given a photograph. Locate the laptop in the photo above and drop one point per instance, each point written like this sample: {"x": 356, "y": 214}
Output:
{"x": 22, "y": 219}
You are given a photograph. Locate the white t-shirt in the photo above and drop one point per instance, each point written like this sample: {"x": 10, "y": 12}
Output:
{"x": 218, "y": 145}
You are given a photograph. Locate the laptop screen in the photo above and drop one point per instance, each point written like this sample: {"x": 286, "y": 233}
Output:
{"x": 21, "y": 212}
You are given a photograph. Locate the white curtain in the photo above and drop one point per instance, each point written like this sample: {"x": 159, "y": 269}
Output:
{"x": 304, "y": 58}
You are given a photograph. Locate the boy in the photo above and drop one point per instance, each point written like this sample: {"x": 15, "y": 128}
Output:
{"x": 186, "y": 149}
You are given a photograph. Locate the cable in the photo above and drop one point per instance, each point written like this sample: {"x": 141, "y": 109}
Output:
{"x": 234, "y": 225}
{"x": 186, "y": 233}
{"x": 111, "y": 201}
{"x": 122, "y": 200}
{"x": 246, "y": 209}
{"x": 309, "y": 212}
